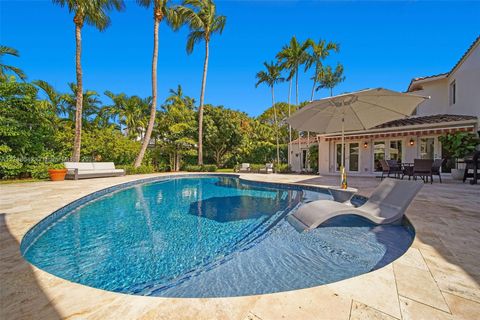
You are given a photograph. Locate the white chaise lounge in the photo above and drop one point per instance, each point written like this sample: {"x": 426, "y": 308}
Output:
{"x": 85, "y": 170}
{"x": 244, "y": 167}
{"x": 387, "y": 204}
{"x": 268, "y": 168}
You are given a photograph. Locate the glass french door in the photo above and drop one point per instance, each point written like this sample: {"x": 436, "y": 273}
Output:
{"x": 353, "y": 156}
{"x": 338, "y": 156}
{"x": 396, "y": 150}
{"x": 378, "y": 154}
{"x": 427, "y": 148}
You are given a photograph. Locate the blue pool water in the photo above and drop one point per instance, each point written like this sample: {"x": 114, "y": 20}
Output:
{"x": 206, "y": 236}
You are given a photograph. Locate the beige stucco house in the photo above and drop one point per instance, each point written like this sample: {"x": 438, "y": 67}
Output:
{"x": 454, "y": 106}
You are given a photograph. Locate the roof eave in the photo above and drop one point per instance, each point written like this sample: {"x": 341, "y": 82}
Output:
{"x": 471, "y": 122}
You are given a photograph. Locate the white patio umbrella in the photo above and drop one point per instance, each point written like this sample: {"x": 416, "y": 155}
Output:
{"x": 355, "y": 111}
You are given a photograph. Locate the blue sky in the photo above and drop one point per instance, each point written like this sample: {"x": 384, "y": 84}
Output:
{"x": 383, "y": 44}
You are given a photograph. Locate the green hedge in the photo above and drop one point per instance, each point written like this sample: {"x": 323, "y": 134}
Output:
{"x": 203, "y": 168}
{"x": 143, "y": 169}
{"x": 282, "y": 168}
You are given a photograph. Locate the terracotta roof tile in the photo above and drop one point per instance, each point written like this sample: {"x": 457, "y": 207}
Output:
{"x": 433, "y": 119}
{"x": 303, "y": 140}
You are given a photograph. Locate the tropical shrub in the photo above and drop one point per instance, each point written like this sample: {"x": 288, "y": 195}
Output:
{"x": 108, "y": 144}
{"x": 282, "y": 168}
{"x": 202, "y": 168}
{"x": 10, "y": 167}
{"x": 143, "y": 169}
{"x": 458, "y": 145}
{"x": 313, "y": 158}
{"x": 39, "y": 171}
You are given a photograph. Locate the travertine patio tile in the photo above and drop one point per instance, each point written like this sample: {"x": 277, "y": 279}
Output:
{"x": 376, "y": 289}
{"x": 314, "y": 303}
{"x": 412, "y": 258}
{"x": 412, "y": 310}
{"x": 447, "y": 231}
{"x": 462, "y": 308}
{"x": 451, "y": 277}
{"x": 362, "y": 312}
{"x": 419, "y": 285}
{"x": 251, "y": 316}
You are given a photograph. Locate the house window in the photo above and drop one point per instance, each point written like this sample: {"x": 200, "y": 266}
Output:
{"x": 378, "y": 154}
{"x": 396, "y": 150}
{"x": 453, "y": 92}
{"x": 338, "y": 156}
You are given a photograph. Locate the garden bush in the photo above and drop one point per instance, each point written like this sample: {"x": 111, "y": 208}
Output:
{"x": 203, "y": 168}
{"x": 143, "y": 169}
{"x": 39, "y": 171}
{"x": 10, "y": 167}
{"x": 282, "y": 168}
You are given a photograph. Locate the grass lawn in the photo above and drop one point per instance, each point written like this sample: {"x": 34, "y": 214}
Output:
{"x": 225, "y": 170}
{"x": 9, "y": 181}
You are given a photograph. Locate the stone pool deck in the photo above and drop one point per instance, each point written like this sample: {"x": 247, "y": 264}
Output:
{"x": 437, "y": 278}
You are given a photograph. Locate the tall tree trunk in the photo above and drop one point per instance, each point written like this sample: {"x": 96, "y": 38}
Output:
{"x": 331, "y": 92}
{"x": 153, "y": 107}
{"x": 200, "y": 109}
{"x": 276, "y": 125}
{"x": 79, "y": 99}
{"x": 296, "y": 86}
{"x": 289, "y": 112}
{"x": 314, "y": 82}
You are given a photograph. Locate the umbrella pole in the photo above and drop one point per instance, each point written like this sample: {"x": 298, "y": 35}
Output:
{"x": 343, "y": 173}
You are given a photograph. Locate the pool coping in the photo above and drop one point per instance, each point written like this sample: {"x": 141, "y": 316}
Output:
{"x": 48, "y": 221}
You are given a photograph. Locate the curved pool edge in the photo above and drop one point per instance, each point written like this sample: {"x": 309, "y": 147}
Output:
{"x": 138, "y": 180}
{"x": 39, "y": 227}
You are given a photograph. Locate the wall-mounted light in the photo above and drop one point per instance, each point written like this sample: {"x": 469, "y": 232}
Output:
{"x": 412, "y": 142}
{"x": 365, "y": 144}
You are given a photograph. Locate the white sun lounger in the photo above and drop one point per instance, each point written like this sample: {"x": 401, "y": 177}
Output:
{"x": 84, "y": 170}
{"x": 387, "y": 204}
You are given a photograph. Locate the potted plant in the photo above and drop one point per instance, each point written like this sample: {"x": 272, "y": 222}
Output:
{"x": 458, "y": 145}
{"x": 57, "y": 172}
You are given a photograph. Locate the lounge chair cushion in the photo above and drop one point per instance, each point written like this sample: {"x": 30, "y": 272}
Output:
{"x": 79, "y": 165}
{"x": 85, "y": 172}
{"x": 104, "y": 166}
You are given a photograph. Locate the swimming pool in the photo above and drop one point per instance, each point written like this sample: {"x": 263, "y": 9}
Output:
{"x": 205, "y": 236}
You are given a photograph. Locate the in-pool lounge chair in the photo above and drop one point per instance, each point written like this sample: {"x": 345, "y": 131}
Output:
{"x": 85, "y": 170}
{"x": 387, "y": 204}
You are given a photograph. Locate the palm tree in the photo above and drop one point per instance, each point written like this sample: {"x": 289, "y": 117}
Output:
{"x": 90, "y": 105}
{"x": 161, "y": 11}
{"x": 291, "y": 57}
{"x": 203, "y": 21}
{"x": 131, "y": 113}
{"x": 177, "y": 97}
{"x": 320, "y": 51}
{"x": 55, "y": 100}
{"x": 94, "y": 13}
{"x": 4, "y": 50}
{"x": 270, "y": 77}
{"x": 329, "y": 79}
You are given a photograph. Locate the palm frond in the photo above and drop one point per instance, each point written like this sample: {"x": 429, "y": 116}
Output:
{"x": 193, "y": 38}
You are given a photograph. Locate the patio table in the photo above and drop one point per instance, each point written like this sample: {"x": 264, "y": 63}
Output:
{"x": 407, "y": 168}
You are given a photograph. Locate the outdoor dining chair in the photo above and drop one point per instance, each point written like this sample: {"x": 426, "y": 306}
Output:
{"x": 422, "y": 168}
{"x": 390, "y": 167}
{"x": 436, "y": 167}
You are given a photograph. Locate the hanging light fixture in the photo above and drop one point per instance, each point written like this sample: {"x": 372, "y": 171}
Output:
{"x": 412, "y": 142}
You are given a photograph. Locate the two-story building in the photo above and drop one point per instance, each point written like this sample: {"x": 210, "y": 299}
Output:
{"x": 454, "y": 105}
